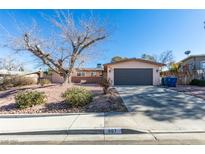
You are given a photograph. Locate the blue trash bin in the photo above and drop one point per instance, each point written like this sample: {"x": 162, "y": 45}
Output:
{"x": 171, "y": 81}
{"x": 174, "y": 81}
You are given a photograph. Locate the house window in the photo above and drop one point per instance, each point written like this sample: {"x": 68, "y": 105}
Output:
{"x": 80, "y": 73}
{"x": 93, "y": 73}
{"x": 191, "y": 66}
{"x": 203, "y": 65}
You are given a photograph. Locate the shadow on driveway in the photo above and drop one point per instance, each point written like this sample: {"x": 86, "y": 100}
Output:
{"x": 162, "y": 104}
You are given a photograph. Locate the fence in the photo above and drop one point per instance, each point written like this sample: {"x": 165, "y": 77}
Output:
{"x": 182, "y": 77}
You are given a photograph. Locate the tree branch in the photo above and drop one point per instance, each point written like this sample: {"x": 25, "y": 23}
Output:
{"x": 43, "y": 56}
{"x": 90, "y": 43}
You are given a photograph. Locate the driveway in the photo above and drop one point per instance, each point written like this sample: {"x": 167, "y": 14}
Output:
{"x": 162, "y": 104}
{"x": 166, "y": 114}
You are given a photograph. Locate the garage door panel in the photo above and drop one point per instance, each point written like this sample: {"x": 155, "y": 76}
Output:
{"x": 130, "y": 76}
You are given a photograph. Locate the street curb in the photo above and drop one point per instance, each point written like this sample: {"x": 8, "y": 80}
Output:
{"x": 35, "y": 115}
{"x": 75, "y": 132}
{"x": 48, "y": 114}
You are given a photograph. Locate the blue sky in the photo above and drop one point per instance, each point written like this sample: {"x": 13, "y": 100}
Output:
{"x": 135, "y": 32}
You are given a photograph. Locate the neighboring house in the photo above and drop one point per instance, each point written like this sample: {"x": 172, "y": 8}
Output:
{"x": 133, "y": 72}
{"x": 194, "y": 65}
{"x": 82, "y": 75}
{"x": 6, "y": 73}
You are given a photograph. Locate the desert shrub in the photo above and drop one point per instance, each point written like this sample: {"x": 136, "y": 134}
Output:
{"x": 21, "y": 81}
{"x": 105, "y": 84}
{"x": 29, "y": 98}
{"x": 7, "y": 82}
{"x": 198, "y": 82}
{"x": 77, "y": 96}
{"x": 15, "y": 81}
{"x": 1, "y": 79}
{"x": 44, "y": 82}
{"x": 2, "y": 88}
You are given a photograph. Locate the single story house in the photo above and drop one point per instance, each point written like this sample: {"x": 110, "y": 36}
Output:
{"x": 126, "y": 72}
{"x": 82, "y": 75}
{"x": 194, "y": 65}
{"x": 133, "y": 71}
{"x": 5, "y": 73}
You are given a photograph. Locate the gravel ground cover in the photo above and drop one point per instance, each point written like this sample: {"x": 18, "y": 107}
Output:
{"x": 110, "y": 102}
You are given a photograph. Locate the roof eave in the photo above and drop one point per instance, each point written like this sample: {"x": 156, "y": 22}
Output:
{"x": 191, "y": 56}
{"x": 140, "y": 60}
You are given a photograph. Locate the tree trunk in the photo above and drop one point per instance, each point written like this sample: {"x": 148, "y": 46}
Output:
{"x": 67, "y": 80}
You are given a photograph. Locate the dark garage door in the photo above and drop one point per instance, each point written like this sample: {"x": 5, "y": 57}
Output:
{"x": 131, "y": 76}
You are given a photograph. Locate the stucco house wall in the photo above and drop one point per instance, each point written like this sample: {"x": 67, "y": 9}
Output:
{"x": 197, "y": 61}
{"x": 34, "y": 77}
{"x": 194, "y": 65}
{"x": 56, "y": 78}
{"x": 134, "y": 64}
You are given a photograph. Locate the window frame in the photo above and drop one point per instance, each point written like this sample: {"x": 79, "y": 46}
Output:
{"x": 93, "y": 74}
{"x": 202, "y": 65}
{"x": 191, "y": 66}
{"x": 81, "y": 74}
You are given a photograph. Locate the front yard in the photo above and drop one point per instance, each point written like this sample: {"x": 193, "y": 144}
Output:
{"x": 55, "y": 103}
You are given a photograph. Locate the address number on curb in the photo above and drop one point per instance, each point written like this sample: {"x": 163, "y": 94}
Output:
{"x": 112, "y": 131}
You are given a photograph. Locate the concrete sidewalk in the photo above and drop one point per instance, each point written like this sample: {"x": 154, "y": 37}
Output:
{"x": 85, "y": 128}
{"x": 27, "y": 123}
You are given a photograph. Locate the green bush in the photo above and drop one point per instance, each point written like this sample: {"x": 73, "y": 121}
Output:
{"x": 29, "y": 98}
{"x": 202, "y": 83}
{"x": 44, "y": 82}
{"x": 197, "y": 82}
{"x": 77, "y": 96}
{"x": 194, "y": 82}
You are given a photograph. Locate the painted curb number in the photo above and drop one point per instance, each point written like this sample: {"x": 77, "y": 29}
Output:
{"x": 112, "y": 131}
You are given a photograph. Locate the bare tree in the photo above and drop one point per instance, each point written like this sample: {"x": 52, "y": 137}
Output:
{"x": 10, "y": 64}
{"x": 165, "y": 57}
{"x": 67, "y": 47}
